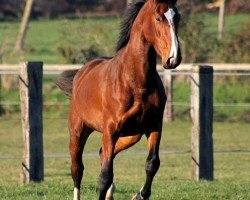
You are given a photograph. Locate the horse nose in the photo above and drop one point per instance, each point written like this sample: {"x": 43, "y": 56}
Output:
{"x": 172, "y": 62}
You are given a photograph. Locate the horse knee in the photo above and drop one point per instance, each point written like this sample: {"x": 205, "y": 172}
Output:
{"x": 76, "y": 159}
{"x": 152, "y": 165}
{"x": 77, "y": 167}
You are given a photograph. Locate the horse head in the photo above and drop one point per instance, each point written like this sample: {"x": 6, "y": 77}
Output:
{"x": 160, "y": 28}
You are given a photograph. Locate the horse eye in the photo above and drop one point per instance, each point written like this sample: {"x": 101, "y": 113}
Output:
{"x": 158, "y": 19}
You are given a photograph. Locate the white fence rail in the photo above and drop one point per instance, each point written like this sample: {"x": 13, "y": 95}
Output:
{"x": 184, "y": 68}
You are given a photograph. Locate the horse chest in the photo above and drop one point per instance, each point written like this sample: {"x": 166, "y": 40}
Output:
{"x": 140, "y": 115}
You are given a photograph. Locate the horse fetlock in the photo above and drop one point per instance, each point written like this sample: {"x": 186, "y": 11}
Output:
{"x": 110, "y": 192}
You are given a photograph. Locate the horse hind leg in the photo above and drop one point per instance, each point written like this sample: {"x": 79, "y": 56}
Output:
{"x": 79, "y": 134}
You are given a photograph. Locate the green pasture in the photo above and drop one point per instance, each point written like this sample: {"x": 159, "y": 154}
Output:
{"x": 46, "y": 36}
{"x": 232, "y": 163}
{"x": 231, "y": 127}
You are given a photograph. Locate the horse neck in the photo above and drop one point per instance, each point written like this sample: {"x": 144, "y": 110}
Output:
{"x": 139, "y": 62}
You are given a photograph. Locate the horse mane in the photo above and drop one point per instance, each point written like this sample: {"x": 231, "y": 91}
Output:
{"x": 127, "y": 22}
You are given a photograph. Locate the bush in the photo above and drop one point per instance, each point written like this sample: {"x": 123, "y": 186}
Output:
{"x": 196, "y": 43}
{"x": 84, "y": 42}
{"x": 200, "y": 46}
{"x": 70, "y": 54}
{"x": 236, "y": 47}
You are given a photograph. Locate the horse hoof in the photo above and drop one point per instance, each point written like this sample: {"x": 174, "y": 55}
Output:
{"x": 138, "y": 197}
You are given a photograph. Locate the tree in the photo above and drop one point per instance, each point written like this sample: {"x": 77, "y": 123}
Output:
{"x": 221, "y": 5}
{"x": 24, "y": 26}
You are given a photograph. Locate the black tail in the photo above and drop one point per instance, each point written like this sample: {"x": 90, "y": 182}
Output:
{"x": 65, "y": 82}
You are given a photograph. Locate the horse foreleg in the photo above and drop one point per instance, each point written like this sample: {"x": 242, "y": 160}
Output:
{"x": 152, "y": 165}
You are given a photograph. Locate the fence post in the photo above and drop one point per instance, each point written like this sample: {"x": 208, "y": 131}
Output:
{"x": 202, "y": 122}
{"x": 167, "y": 80}
{"x": 30, "y": 80}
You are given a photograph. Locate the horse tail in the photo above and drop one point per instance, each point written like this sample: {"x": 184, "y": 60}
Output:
{"x": 65, "y": 81}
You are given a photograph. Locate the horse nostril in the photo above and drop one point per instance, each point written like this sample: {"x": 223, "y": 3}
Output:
{"x": 170, "y": 62}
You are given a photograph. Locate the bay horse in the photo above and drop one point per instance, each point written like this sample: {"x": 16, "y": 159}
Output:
{"x": 123, "y": 97}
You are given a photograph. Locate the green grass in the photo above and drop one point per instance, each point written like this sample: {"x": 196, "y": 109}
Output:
{"x": 232, "y": 175}
{"x": 233, "y": 190}
{"x": 227, "y": 91}
{"x": 44, "y": 36}
{"x": 232, "y": 23}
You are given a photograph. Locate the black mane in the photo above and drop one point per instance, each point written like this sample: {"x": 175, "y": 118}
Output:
{"x": 127, "y": 22}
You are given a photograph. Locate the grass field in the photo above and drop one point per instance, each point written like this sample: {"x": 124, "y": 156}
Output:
{"x": 232, "y": 163}
{"x": 231, "y": 127}
{"x": 45, "y": 36}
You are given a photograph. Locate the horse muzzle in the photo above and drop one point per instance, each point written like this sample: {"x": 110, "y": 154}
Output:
{"x": 173, "y": 62}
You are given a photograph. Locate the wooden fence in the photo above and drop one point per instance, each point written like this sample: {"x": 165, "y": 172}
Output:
{"x": 167, "y": 76}
{"x": 30, "y": 78}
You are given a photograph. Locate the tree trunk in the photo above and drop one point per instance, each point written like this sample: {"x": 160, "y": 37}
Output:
{"x": 221, "y": 19}
{"x": 24, "y": 26}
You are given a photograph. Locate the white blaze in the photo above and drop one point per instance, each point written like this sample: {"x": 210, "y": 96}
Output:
{"x": 174, "y": 44}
